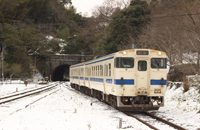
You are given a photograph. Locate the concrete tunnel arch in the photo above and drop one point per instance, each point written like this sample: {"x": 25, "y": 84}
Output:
{"x": 61, "y": 73}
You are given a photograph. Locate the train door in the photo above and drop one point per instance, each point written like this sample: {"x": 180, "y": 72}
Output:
{"x": 142, "y": 78}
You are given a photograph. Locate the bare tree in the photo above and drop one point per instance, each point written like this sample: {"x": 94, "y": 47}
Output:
{"x": 175, "y": 29}
{"x": 109, "y": 8}
{"x": 191, "y": 24}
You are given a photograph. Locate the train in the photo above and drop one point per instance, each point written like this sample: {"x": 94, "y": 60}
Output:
{"x": 129, "y": 80}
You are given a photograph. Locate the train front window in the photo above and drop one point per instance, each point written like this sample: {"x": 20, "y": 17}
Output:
{"x": 142, "y": 65}
{"x": 124, "y": 62}
{"x": 159, "y": 63}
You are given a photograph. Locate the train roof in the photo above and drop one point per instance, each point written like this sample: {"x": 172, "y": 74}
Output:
{"x": 112, "y": 54}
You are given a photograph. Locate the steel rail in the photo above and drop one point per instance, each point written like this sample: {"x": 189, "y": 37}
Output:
{"x": 147, "y": 124}
{"x": 148, "y": 114}
{"x": 20, "y": 93}
{"x": 165, "y": 121}
{"x": 28, "y": 93}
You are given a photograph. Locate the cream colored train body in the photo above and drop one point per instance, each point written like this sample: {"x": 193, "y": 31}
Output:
{"x": 130, "y": 80}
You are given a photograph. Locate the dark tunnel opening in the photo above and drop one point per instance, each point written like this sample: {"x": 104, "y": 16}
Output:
{"x": 61, "y": 73}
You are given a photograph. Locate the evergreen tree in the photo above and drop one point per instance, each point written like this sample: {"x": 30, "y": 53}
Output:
{"x": 128, "y": 24}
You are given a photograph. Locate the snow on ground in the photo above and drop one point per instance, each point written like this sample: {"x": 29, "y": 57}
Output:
{"x": 67, "y": 109}
{"x": 12, "y": 88}
{"x": 182, "y": 108}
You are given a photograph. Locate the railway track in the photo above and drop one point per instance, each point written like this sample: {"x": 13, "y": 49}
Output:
{"x": 150, "y": 120}
{"x": 153, "y": 121}
{"x": 19, "y": 95}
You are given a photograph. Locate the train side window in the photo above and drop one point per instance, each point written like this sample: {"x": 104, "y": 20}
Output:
{"x": 124, "y": 62}
{"x": 101, "y": 70}
{"x": 142, "y": 65}
{"x": 109, "y": 69}
{"x": 92, "y": 70}
{"x": 98, "y": 70}
{"x": 106, "y": 70}
{"x": 81, "y": 72}
{"x": 95, "y": 70}
{"x": 159, "y": 63}
{"x": 89, "y": 71}
{"x": 86, "y": 71}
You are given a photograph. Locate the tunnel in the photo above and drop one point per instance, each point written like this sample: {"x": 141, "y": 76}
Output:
{"x": 61, "y": 73}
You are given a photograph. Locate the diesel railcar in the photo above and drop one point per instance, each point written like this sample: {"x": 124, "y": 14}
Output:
{"x": 130, "y": 80}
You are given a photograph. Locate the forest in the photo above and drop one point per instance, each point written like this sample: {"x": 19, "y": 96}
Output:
{"x": 37, "y": 28}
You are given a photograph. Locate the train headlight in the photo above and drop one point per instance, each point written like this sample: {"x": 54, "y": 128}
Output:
{"x": 159, "y": 53}
{"x": 124, "y": 52}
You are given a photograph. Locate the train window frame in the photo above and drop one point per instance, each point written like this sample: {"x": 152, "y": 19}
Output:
{"x": 143, "y": 65}
{"x": 109, "y": 69}
{"x": 120, "y": 60}
{"x": 156, "y": 64}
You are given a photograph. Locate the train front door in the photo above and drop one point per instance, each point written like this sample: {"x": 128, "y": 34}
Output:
{"x": 142, "y": 78}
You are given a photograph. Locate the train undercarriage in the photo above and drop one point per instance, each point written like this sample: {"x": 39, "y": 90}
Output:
{"x": 138, "y": 103}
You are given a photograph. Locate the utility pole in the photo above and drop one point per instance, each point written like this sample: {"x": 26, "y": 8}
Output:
{"x": 2, "y": 66}
{"x": 1, "y": 51}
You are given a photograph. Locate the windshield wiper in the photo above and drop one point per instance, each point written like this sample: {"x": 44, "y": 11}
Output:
{"x": 157, "y": 64}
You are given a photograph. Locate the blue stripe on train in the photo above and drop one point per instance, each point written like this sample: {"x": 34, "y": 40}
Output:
{"x": 124, "y": 82}
{"x": 100, "y": 80}
{"x": 109, "y": 81}
{"x": 74, "y": 77}
{"x": 158, "y": 82}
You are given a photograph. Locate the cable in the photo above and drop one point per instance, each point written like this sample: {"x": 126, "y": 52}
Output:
{"x": 178, "y": 15}
{"x": 100, "y": 21}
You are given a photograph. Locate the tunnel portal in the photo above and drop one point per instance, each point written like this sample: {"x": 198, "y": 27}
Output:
{"x": 61, "y": 73}
{"x": 57, "y": 66}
